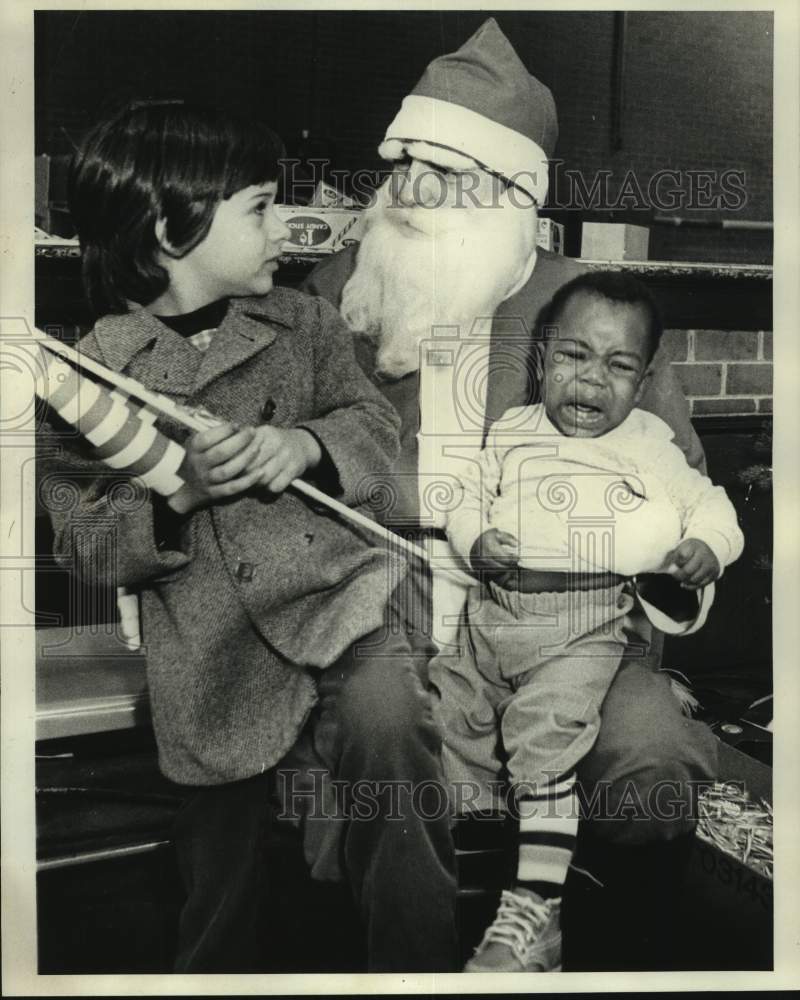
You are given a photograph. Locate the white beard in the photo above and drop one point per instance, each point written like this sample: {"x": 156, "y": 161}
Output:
{"x": 448, "y": 267}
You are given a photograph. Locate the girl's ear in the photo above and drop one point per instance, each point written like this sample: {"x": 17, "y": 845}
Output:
{"x": 161, "y": 236}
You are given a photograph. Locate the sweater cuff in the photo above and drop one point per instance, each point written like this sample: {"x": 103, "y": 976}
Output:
{"x": 719, "y": 545}
{"x": 462, "y": 538}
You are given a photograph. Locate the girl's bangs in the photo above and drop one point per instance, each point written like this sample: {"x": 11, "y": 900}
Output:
{"x": 253, "y": 156}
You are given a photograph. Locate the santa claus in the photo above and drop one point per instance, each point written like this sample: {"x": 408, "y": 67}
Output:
{"x": 442, "y": 296}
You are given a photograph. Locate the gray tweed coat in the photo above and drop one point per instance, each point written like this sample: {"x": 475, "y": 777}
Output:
{"x": 228, "y": 656}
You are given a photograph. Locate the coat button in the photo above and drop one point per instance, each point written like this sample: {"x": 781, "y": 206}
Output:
{"x": 268, "y": 410}
{"x": 245, "y": 572}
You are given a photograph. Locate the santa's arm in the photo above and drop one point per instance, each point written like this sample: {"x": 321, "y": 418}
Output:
{"x": 665, "y": 398}
{"x": 330, "y": 276}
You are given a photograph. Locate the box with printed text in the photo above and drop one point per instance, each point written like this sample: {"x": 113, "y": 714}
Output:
{"x": 320, "y": 230}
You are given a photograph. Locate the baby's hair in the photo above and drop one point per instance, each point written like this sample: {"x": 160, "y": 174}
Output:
{"x": 157, "y": 160}
{"x": 616, "y": 286}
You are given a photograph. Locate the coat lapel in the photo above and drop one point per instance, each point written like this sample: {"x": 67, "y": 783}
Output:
{"x": 173, "y": 365}
{"x": 244, "y": 332}
{"x": 170, "y": 366}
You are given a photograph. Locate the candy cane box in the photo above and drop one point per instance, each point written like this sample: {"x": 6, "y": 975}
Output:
{"x": 320, "y": 230}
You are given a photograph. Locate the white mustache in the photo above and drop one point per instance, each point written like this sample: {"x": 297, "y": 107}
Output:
{"x": 430, "y": 221}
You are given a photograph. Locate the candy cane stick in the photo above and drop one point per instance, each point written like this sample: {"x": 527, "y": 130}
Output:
{"x": 199, "y": 420}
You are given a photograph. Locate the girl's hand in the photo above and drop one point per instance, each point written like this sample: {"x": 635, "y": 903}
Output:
{"x": 494, "y": 550}
{"x": 693, "y": 564}
{"x": 218, "y": 464}
{"x": 284, "y": 454}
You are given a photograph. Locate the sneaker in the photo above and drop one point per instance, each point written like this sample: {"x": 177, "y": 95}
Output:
{"x": 525, "y": 937}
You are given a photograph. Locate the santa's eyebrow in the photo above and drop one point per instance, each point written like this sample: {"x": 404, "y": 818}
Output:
{"x": 440, "y": 167}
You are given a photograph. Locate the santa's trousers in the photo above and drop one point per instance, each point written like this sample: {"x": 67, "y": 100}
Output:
{"x": 373, "y": 729}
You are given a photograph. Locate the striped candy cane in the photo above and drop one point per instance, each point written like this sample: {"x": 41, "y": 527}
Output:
{"x": 124, "y": 435}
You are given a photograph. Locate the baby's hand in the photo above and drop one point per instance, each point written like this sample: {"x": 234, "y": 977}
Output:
{"x": 693, "y": 564}
{"x": 494, "y": 550}
{"x": 284, "y": 454}
{"x": 218, "y": 464}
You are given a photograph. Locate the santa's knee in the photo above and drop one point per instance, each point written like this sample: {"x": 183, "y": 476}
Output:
{"x": 388, "y": 722}
{"x": 637, "y": 791}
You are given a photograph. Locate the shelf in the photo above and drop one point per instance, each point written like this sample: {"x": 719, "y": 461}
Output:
{"x": 684, "y": 269}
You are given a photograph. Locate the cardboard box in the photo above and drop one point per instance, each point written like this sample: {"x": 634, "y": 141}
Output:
{"x": 550, "y": 236}
{"x": 50, "y": 194}
{"x": 47, "y": 245}
{"x": 320, "y": 230}
{"x": 326, "y": 196}
{"x": 726, "y": 900}
{"x": 614, "y": 241}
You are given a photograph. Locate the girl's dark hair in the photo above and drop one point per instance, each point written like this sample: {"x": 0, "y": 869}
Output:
{"x": 152, "y": 161}
{"x": 617, "y": 286}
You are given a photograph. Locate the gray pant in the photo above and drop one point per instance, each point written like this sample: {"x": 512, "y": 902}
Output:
{"x": 545, "y": 683}
{"x": 536, "y": 667}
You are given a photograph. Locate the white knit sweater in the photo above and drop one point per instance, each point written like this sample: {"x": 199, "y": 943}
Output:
{"x": 620, "y": 502}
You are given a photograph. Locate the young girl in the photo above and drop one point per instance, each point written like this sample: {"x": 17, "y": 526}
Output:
{"x": 252, "y": 601}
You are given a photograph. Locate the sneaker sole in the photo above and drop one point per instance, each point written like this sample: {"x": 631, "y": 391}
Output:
{"x": 556, "y": 968}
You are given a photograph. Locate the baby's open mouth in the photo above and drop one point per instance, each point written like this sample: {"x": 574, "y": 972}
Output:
{"x": 586, "y": 413}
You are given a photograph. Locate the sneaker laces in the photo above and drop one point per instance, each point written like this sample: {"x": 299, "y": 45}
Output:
{"x": 518, "y": 922}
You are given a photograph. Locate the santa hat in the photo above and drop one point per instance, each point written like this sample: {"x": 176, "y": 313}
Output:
{"x": 483, "y": 103}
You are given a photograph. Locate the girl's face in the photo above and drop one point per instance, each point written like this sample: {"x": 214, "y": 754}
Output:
{"x": 596, "y": 369}
{"x": 239, "y": 256}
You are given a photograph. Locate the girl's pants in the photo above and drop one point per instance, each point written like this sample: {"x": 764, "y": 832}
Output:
{"x": 373, "y": 728}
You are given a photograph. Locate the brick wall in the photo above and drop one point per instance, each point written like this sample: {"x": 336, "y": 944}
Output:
{"x": 723, "y": 372}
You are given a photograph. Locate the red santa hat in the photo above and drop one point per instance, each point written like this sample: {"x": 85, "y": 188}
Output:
{"x": 482, "y": 102}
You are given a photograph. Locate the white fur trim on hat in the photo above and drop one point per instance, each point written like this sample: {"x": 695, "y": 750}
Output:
{"x": 501, "y": 149}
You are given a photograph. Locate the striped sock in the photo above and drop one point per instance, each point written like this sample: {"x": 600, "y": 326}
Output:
{"x": 548, "y": 826}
